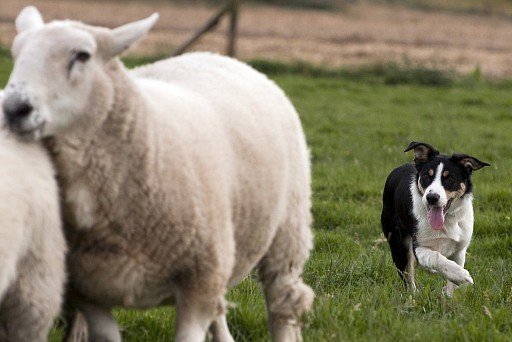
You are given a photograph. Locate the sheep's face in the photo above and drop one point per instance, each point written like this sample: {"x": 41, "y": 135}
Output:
{"x": 51, "y": 79}
{"x": 56, "y": 68}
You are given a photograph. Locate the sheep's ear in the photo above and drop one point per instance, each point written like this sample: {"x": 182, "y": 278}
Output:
{"x": 422, "y": 151}
{"x": 124, "y": 36}
{"x": 28, "y": 18}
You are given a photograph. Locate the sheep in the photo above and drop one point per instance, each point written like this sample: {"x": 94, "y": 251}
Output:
{"x": 178, "y": 178}
{"x": 32, "y": 244}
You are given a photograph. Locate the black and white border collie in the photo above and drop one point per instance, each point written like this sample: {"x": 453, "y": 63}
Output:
{"x": 427, "y": 214}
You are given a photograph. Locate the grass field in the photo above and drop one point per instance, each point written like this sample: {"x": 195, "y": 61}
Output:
{"x": 357, "y": 127}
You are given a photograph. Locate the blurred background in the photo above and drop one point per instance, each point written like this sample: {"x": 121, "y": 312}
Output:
{"x": 367, "y": 77}
{"x": 466, "y": 36}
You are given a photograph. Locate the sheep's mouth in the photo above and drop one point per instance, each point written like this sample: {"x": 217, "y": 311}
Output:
{"x": 436, "y": 215}
{"x": 32, "y": 133}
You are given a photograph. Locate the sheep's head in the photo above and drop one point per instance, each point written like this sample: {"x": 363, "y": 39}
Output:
{"x": 56, "y": 67}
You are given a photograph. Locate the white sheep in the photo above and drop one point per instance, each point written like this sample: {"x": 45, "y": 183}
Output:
{"x": 178, "y": 178}
{"x": 32, "y": 245}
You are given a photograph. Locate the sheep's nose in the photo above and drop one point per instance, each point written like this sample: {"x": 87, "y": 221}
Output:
{"x": 432, "y": 198}
{"x": 15, "y": 109}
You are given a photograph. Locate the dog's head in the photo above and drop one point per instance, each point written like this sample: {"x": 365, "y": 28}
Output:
{"x": 442, "y": 179}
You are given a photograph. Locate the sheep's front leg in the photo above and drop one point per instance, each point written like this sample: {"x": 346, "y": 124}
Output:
{"x": 29, "y": 307}
{"x": 435, "y": 261}
{"x": 100, "y": 325}
{"x": 77, "y": 330}
{"x": 12, "y": 240}
{"x": 460, "y": 258}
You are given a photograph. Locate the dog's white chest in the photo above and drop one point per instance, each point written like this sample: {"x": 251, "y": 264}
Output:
{"x": 441, "y": 244}
{"x": 455, "y": 235}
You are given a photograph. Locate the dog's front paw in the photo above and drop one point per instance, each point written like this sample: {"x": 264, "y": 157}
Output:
{"x": 458, "y": 274}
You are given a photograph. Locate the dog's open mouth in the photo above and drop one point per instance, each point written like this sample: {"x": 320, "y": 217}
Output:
{"x": 436, "y": 214}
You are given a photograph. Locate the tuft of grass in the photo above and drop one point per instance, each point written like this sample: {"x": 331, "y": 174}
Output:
{"x": 391, "y": 73}
{"x": 395, "y": 74}
{"x": 306, "y": 69}
{"x": 134, "y": 61}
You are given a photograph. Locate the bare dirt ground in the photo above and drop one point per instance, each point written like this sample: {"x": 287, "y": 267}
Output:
{"x": 361, "y": 34}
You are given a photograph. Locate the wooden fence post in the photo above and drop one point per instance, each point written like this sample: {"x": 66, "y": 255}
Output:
{"x": 231, "y": 6}
{"x": 233, "y": 23}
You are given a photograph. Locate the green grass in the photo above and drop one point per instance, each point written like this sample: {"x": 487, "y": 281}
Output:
{"x": 357, "y": 131}
{"x": 357, "y": 127}
{"x": 5, "y": 65}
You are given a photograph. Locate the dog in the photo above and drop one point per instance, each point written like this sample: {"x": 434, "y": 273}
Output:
{"x": 427, "y": 214}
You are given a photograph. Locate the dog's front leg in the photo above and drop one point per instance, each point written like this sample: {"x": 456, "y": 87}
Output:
{"x": 460, "y": 258}
{"x": 433, "y": 260}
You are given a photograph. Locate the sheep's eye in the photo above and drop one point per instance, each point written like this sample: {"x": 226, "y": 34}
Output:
{"x": 78, "y": 56}
{"x": 82, "y": 56}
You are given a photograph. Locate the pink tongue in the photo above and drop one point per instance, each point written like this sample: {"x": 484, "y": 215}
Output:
{"x": 436, "y": 218}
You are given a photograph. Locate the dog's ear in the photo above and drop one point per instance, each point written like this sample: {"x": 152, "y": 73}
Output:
{"x": 469, "y": 163}
{"x": 422, "y": 151}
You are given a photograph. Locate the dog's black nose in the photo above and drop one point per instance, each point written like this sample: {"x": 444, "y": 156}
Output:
{"x": 16, "y": 109}
{"x": 432, "y": 198}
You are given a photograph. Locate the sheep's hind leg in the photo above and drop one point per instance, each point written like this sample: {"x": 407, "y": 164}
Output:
{"x": 195, "y": 314}
{"x": 219, "y": 330}
{"x": 280, "y": 273}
